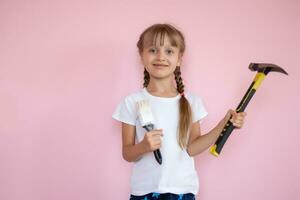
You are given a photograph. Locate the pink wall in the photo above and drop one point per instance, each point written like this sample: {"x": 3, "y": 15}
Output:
{"x": 65, "y": 65}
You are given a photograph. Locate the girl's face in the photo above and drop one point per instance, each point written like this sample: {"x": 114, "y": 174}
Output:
{"x": 161, "y": 60}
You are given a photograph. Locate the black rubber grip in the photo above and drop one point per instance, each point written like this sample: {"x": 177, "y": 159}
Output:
{"x": 224, "y": 136}
{"x": 229, "y": 126}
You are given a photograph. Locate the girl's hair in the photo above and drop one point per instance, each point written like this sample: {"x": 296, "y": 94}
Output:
{"x": 150, "y": 36}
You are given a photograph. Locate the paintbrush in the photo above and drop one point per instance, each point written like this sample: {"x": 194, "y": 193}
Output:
{"x": 147, "y": 122}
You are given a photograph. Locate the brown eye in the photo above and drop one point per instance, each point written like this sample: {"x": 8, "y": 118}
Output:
{"x": 152, "y": 50}
{"x": 170, "y": 51}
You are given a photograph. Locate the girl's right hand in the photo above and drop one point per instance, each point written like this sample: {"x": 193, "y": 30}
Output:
{"x": 152, "y": 140}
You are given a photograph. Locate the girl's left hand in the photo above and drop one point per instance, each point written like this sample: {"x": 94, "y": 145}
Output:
{"x": 237, "y": 118}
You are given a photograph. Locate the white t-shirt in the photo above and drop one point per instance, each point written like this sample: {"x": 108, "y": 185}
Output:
{"x": 177, "y": 172}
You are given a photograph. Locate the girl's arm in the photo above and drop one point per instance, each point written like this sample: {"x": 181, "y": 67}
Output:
{"x": 131, "y": 152}
{"x": 199, "y": 143}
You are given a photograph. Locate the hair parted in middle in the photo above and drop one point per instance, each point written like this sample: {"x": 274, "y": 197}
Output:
{"x": 150, "y": 36}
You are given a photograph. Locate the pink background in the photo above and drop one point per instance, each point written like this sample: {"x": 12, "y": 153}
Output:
{"x": 65, "y": 65}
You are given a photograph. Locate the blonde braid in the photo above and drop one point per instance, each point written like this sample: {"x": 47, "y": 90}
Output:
{"x": 146, "y": 78}
{"x": 185, "y": 118}
{"x": 178, "y": 79}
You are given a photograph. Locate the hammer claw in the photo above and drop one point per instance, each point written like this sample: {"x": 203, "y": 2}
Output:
{"x": 266, "y": 68}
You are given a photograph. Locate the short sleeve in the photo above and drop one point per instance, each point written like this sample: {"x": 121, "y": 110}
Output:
{"x": 199, "y": 111}
{"x": 126, "y": 111}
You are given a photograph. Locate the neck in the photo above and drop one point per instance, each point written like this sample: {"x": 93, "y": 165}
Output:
{"x": 162, "y": 87}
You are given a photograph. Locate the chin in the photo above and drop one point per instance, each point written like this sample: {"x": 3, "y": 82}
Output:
{"x": 161, "y": 75}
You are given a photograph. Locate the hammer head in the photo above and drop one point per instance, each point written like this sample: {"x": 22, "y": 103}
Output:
{"x": 266, "y": 68}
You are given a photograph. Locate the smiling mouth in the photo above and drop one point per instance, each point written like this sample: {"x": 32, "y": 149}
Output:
{"x": 160, "y": 65}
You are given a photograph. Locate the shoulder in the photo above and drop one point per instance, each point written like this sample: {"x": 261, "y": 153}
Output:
{"x": 134, "y": 97}
{"x": 193, "y": 98}
{"x": 126, "y": 109}
{"x": 197, "y": 105}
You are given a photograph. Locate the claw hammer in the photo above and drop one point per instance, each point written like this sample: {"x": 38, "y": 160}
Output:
{"x": 262, "y": 70}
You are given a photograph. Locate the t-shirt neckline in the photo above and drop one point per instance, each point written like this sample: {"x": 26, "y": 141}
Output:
{"x": 145, "y": 91}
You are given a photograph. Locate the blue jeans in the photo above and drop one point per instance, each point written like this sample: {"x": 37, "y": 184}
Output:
{"x": 165, "y": 196}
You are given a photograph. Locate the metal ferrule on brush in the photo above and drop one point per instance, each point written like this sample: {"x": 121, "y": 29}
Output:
{"x": 149, "y": 127}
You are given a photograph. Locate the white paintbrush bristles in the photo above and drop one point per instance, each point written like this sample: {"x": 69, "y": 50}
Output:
{"x": 144, "y": 113}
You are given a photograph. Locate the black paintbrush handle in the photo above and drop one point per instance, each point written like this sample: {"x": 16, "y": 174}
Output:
{"x": 157, "y": 153}
{"x": 157, "y": 156}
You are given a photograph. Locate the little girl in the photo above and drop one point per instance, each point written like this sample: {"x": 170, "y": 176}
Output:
{"x": 177, "y": 116}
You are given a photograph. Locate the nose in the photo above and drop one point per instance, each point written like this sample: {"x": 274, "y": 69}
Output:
{"x": 160, "y": 55}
